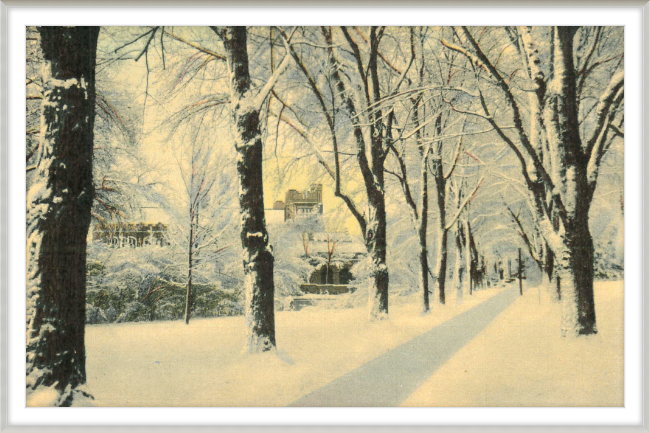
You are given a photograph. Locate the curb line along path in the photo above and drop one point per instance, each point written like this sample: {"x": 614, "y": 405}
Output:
{"x": 391, "y": 378}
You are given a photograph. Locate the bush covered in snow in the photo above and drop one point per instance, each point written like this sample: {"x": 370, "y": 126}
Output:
{"x": 138, "y": 284}
{"x": 292, "y": 266}
{"x": 608, "y": 255}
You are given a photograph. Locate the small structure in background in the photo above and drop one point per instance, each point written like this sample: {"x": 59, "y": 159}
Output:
{"x": 298, "y": 204}
{"x": 332, "y": 255}
{"x": 133, "y": 235}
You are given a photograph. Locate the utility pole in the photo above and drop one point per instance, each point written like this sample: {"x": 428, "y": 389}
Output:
{"x": 521, "y": 287}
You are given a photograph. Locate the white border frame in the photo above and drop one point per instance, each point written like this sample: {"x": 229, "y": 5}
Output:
{"x": 16, "y": 16}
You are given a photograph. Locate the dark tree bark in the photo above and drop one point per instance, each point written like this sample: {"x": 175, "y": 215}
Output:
{"x": 189, "y": 295}
{"x": 460, "y": 263}
{"x": 551, "y": 273}
{"x": 59, "y": 204}
{"x": 468, "y": 258}
{"x": 472, "y": 258}
{"x": 422, "y": 218}
{"x": 373, "y": 225}
{"x": 419, "y": 213}
{"x": 440, "y": 179}
{"x": 575, "y": 259}
{"x": 520, "y": 270}
{"x": 370, "y": 163}
{"x": 548, "y": 265}
{"x": 258, "y": 255}
{"x": 425, "y": 152}
{"x": 441, "y": 267}
{"x": 422, "y": 229}
{"x": 443, "y": 232}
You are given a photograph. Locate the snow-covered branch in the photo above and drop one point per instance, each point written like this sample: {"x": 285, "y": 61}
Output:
{"x": 464, "y": 203}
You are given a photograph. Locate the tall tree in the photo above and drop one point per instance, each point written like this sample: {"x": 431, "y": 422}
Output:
{"x": 198, "y": 182}
{"x": 59, "y": 205}
{"x": 561, "y": 150}
{"x": 257, "y": 253}
{"x": 371, "y": 153}
{"x": 420, "y": 210}
{"x": 358, "y": 93}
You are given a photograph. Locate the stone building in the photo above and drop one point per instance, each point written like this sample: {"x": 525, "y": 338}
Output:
{"x": 297, "y": 204}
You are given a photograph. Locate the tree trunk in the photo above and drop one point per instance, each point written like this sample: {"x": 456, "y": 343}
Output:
{"x": 520, "y": 270}
{"x": 376, "y": 246}
{"x": 380, "y": 135}
{"x": 459, "y": 274}
{"x": 188, "y": 296}
{"x": 59, "y": 204}
{"x": 371, "y": 165}
{"x": 425, "y": 152}
{"x": 441, "y": 266}
{"x": 576, "y": 274}
{"x": 257, "y": 253}
{"x": 575, "y": 257}
{"x": 551, "y": 273}
{"x": 422, "y": 230}
{"x": 441, "y": 196}
{"x": 424, "y": 266}
{"x": 468, "y": 258}
{"x": 549, "y": 264}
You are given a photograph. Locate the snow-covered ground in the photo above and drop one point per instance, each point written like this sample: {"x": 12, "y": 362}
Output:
{"x": 519, "y": 359}
{"x": 172, "y": 364}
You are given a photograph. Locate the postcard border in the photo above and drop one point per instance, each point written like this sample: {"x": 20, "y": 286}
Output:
{"x": 4, "y": 189}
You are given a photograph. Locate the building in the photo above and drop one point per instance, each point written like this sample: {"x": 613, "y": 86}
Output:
{"x": 300, "y": 203}
{"x": 133, "y": 235}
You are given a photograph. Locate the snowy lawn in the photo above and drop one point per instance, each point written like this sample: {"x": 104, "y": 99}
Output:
{"x": 520, "y": 359}
{"x": 172, "y": 364}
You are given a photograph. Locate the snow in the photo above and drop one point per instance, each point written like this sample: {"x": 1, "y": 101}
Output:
{"x": 43, "y": 397}
{"x": 205, "y": 364}
{"x": 521, "y": 360}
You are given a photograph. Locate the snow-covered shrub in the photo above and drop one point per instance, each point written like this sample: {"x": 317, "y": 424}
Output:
{"x": 608, "y": 265}
{"x": 210, "y": 301}
{"x": 608, "y": 232}
{"x": 95, "y": 315}
{"x": 402, "y": 254}
{"x": 134, "y": 312}
{"x": 111, "y": 314}
{"x": 138, "y": 284}
{"x": 362, "y": 282}
{"x": 292, "y": 265}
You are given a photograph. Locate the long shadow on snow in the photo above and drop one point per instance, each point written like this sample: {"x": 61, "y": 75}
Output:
{"x": 391, "y": 378}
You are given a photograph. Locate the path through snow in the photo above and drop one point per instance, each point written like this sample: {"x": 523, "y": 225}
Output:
{"x": 391, "y": 378}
